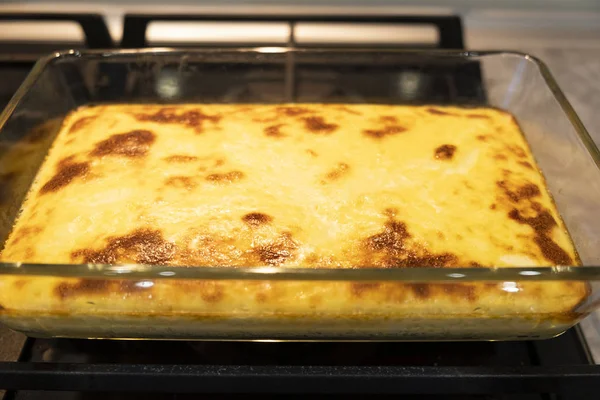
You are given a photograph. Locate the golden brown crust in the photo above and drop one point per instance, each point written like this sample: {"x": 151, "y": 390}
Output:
{"x": 337, "y": 186}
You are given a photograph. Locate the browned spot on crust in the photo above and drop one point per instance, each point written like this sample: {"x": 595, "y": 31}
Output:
{"x": 20, "y": 283}
{"x": 390, "y": 212}
{"x": 483, "y": 138}
{"x": 389, "y": 249}
{"x": 29, "y": 253}
{"x": 348, "y": 110}
{"x": 358, "y": 289}
{"x": 181, "y": 158}
{"x": 394, "y": 292}
{"x": 518, "y": 151}
{"x": 131, "y": 144}
{"x": 182, "y": 182}
{"x": 278, "y": 251}
{"x": 193, "y": 119}
{"x": 509, "y": 193}
{"x": 66, "y": 172}
{"x": 260, "y": 297}
{"x": 543, "y": 224}
{"x": 211, "y": 292}
{"x": 527, "y": 191}
{"x": 97, "y": 287}
{"x": 25, "y": 232}
{"x": 445, "y": 152}
{"x": 420, "y": 290}
{"x": 397, "y": 292}
{"x": 83, "y": 286}
{"x": 81, "y": 123}
{"x": 388, "y": 119}
{"x": 478, "y": 116}
{"x": 526, "y": 164}
{"x": 66, "y": 161}
{"x": 336, "y": 173}
{"x": 292, "y": 111}
{"x": 386, "y": 131}
{"x": 426, "y": 260}
{"x": 312, "y": 152}
{"x": 391, "y": 239}
{"x": 274, "y": 131}
{"x": 461, "y": 290}
{"x": 492, "y": 206}
{"x": 255, "y": 219}
{"x": 144, "y": 246}
{"x": 318, "y": 125}
{"x": 552, "y": 251}
{"x": 227, "y": 177}
{"x": 500, "y": 157}
{"x": 437, "y": 111}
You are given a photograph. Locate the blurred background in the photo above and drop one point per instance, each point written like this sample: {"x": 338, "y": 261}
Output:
{"x": 488, "y": 23}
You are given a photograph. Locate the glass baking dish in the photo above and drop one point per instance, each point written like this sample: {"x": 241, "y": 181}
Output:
{"x": 511, "y": 307}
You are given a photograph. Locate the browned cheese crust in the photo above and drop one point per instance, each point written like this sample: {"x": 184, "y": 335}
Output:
{"x": 308, "y": 186}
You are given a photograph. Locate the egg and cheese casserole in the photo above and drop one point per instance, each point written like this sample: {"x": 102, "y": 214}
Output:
{"x": 296, "y": 185}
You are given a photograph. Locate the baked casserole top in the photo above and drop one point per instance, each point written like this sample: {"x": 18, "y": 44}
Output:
{"x": 292, "y": 185}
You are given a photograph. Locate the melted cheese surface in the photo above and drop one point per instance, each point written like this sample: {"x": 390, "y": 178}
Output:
{"x": 302, "y": 185}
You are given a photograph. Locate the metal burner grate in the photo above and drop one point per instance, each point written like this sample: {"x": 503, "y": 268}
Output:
{"x": 531, "y": 370}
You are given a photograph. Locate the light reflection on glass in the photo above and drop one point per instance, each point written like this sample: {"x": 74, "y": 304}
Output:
{"x": 120, "y": 269}
{"x": 530, "y": 273}
{"x": 271, "y": 49}
{"x": 265, "y": 270}
{"x": 510, "y": 287}
{"x": 409, "y": 84}
{"x": 144, "y": 284}
{"x": 168, "y": 85}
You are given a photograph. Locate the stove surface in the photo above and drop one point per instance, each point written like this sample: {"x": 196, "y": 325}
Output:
{"x": 271, "y": 358}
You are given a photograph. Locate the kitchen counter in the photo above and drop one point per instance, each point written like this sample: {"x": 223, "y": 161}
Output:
{"x": 577, "y": 72}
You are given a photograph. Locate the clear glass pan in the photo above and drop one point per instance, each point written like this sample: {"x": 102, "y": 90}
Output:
{"x": 507, "y": 303}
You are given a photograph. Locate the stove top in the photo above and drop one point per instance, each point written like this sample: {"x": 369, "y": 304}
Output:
{"x": 559, "y": 368}
{"x": 157, "y": 370}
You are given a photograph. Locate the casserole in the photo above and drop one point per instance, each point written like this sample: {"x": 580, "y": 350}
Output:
{"x": 348, "y": 297}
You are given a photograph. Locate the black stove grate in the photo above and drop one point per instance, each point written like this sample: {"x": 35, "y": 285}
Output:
{"x": 559, "y": 366}
{"x": 95, "y": 32}
{"x": 449, "y": 27}
{"x": 17, "y": 59}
